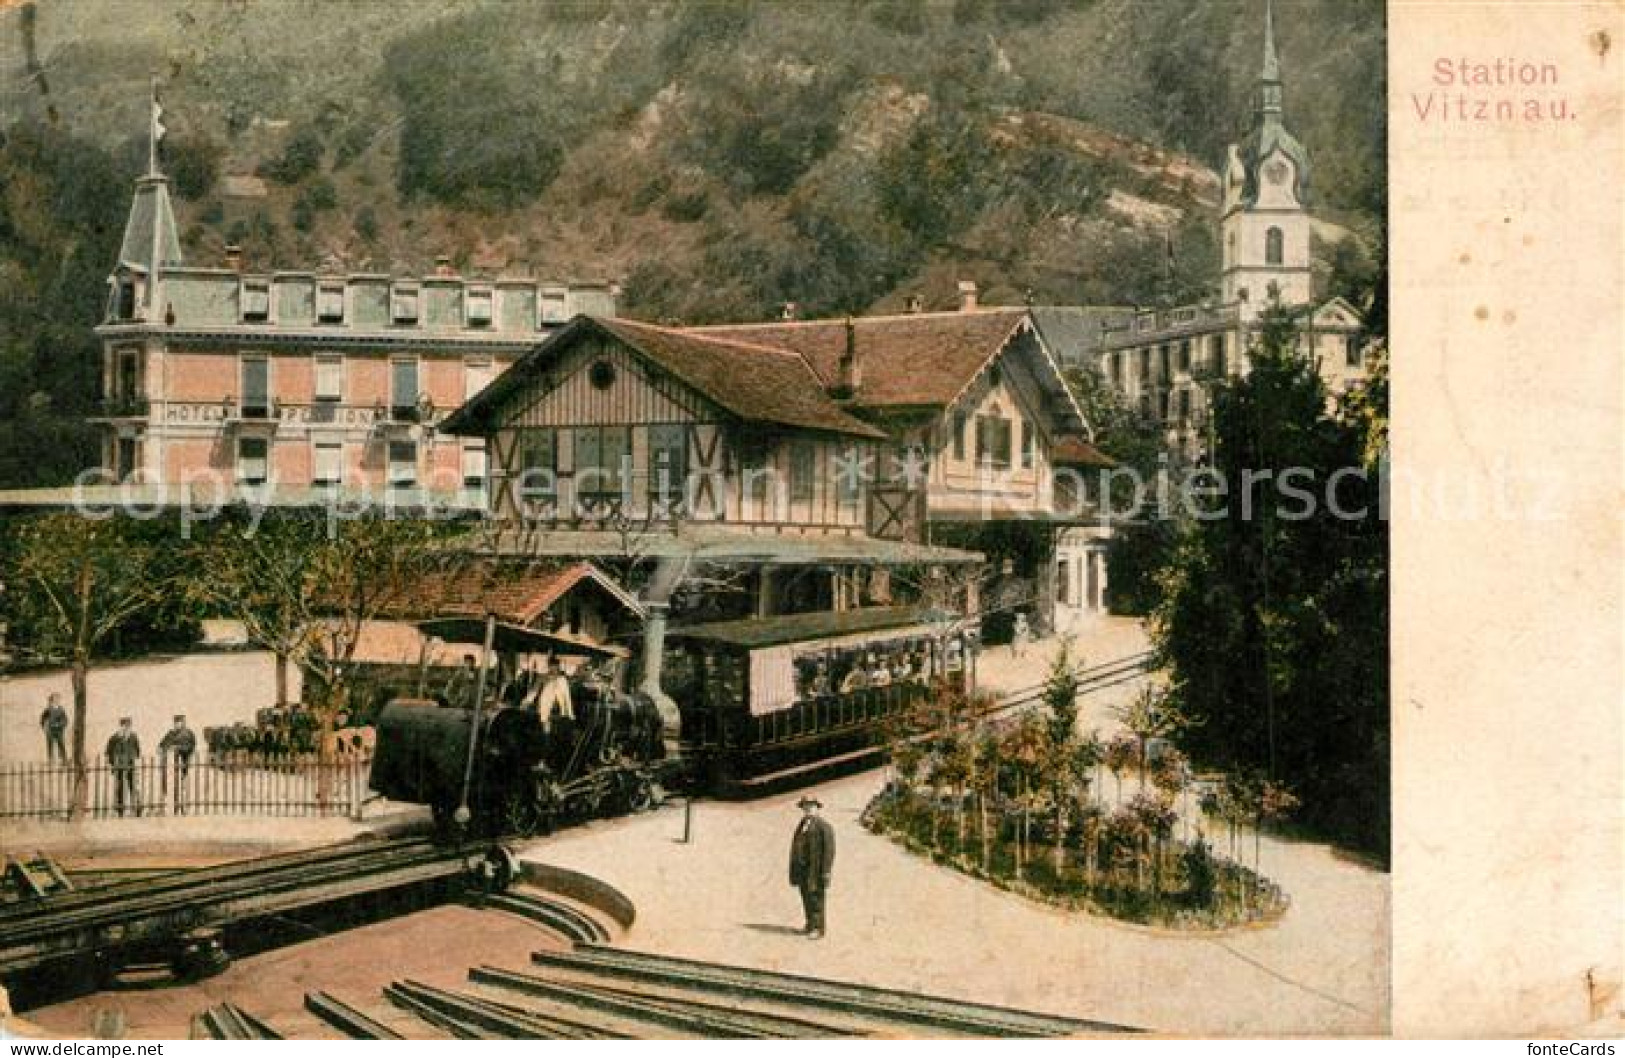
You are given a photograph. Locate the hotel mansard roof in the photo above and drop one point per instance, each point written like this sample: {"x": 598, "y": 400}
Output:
{"x": 756, "y": 383}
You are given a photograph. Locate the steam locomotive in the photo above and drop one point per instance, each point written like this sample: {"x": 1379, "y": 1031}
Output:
{"x": 528, "y": 773}
{"x": 766, "y": 704}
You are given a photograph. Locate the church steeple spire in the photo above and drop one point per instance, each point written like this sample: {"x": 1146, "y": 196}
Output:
{"x": 1269, "y": 79}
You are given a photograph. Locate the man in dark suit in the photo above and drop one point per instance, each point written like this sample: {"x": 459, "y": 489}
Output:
{"x": 123, "y": 754}
{"x": 812, "y": 855}
{"x": 180, "y": 741}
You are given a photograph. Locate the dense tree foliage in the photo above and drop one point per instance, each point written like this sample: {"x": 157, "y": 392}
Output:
{"x": 62, "y": 206}
{"x": 1274, "y": 616}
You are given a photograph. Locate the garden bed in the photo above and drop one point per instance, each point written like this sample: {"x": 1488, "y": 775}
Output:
{"x": 1166, "y": 884}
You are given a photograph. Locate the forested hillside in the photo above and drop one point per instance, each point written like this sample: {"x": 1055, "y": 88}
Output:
{"x": 715, "y": 158}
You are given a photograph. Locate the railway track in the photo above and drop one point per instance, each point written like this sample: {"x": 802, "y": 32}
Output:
{"x": 127, "y": 915}
{"x": 598, "y": 992}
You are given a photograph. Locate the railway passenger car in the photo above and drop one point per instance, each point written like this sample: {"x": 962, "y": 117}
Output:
{"x": 775, "y": 702}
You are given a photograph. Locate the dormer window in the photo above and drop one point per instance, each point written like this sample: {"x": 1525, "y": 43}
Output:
{"x": 554, "y": 306}
{"x": 478, "y": 306}
{"x": 256, "y": 300}
{"x": 123, "y": 301}
{"x": 404, "y": 304}
{"x": 330, "y": 301}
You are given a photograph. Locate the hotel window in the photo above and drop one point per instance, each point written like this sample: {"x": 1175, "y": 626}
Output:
{"x": 1164, "y": 368}
{"x": 403, "y": 464}
{"x": 127, "y": 384}
{"x": 1216, "y": 357}
{"x": 330, "y": 302}
{"x": 1026, "y": 445}
{"x": 403, "y": 390}
{"x": 256, "y": 379}
{"x": 1185, "y": 355}
{"x": 1352, "y": 355}
{"x": 474, "y": 466}
{"x": 253, "y": 460}
{"x": 668, "y": 461}
{"x": 123, "y": 306}
{"x": 329, "y": 378}
{"x": 993, "y": 442}
{"x": 803, "y": 467}
{"x": 256, "y": 300}
{"x": 555, "y": 308}
{"x": 127, "y": 459}
{"x": 404, "y": 304}
{"x": 538, "y": 464}
{"x": 477, "y": 374}
{"x": 600, "y": 454}
{"x": 1145, "y": 364}
{"x": 328, "y": 464}
{"x": 961, "y": 423}
{"x": 1117, "y": 368}
{"x": 478, "y": 306}
{"x": 1273, "y": 246}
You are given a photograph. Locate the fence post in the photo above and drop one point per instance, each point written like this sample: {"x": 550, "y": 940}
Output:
{"x": 356, "y": 800}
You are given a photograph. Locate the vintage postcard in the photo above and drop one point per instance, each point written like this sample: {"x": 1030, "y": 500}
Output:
{"x": 811, "y": 519}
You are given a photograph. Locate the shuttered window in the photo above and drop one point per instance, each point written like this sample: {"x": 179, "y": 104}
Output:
{"x": 404, "y": 305}
{"x": 478, "y": 306}
{"x": 330, "y": 302}
{"x": 256, "y": 299}
{"x": 403, "y": 464}
{"x": 330, "y": 377}
{"x": 474, "y": 466}
{"x": 253, "y": 460}
{"x": 403, "y": 390}
{"x": 328, "y": 464}
{"x": 256, "y": 402}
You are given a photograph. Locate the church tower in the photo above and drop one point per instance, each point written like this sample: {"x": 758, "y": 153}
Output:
{"x": 1265, "y": 228}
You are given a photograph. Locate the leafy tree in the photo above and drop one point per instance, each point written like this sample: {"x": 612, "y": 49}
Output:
{"x": 301, "y": 156}
{"x": 76, "y": 582}
{"x": 1274, "y": 622}
{"x": 193, "y": 163}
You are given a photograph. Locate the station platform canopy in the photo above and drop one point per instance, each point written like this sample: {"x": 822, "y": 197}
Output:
{"x": 757, "y": 632}
{"x": 715, "y": 544}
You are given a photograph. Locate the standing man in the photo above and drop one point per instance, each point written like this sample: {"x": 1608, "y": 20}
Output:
{"x": 54, "y": 722}
{"x": 812, "y": 855}
{"x": 123, "y": 754}
{"x": 180, "y": 741}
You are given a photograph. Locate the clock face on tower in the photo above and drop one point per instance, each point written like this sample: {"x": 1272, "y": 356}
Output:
{"x": 1276, "y": 172}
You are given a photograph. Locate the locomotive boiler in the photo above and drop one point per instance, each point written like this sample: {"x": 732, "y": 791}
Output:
{"x": 497, "y": 765}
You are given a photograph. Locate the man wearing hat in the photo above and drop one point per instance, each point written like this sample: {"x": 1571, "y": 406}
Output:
{"x": 123, "y": 754}
{"x": 180, "y": 741}
{"x": 812, "y": 855}
{"x": 54, "y": 722}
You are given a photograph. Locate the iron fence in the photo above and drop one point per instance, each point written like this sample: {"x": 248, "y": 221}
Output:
{"x": 235, "y": 784}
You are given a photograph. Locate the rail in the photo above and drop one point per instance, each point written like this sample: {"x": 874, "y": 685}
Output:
{"x": 233, "y": 784}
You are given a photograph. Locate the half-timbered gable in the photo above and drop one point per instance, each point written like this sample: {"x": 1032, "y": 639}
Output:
{"x": 614, "y": 421}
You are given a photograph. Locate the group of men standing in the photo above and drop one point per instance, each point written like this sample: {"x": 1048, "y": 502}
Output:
{"x": 123, "y": 754}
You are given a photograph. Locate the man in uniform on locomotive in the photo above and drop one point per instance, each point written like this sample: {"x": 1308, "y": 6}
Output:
{"x": 812, "y": 857}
